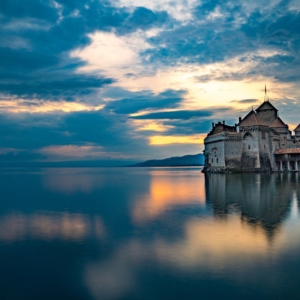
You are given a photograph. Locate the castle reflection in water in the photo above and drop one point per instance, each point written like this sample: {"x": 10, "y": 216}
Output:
{"x": 261, "y": 199}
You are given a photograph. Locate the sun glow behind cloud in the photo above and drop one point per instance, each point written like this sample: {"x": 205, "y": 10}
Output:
{"x": 150, "y": 126}
{"x": 173, "y": 139}
{"x": 208, "y": 84}
{"x": 113, "y": 55}
{"x": 38, "y": 106}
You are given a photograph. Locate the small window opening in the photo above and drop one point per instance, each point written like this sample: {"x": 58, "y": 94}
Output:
{"x": 217, "y": 160}
{"x": 249, "y": 147}
{"x": 212, "y": 160}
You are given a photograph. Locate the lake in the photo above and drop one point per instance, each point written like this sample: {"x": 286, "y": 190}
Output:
{"x": 148, "y": 233}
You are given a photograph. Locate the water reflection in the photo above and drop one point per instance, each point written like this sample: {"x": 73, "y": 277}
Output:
{"x": 72, "y": 180}
{"x": 169, "y": 189}
{"x": 263, "y": 200}
{"x": 49, "y": 226}
{"x": 242, "y": 245}
{"x": 167, "y": 232}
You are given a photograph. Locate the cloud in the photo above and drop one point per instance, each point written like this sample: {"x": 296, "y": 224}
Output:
{"x": 220, "y": 30}
{"x": 188, "y": 127}
{"x": 43, "y": 106}
{"x": 245, "y": 101}
{"x": 147, "y": 100}
{"x": 143, "y": 19}
{"x": 87, "y": 131}
{"x": 83, "y": 73}
{"x": 37, "y": 39}
{"x": 179, "y": 114}
{"x": 57, "y": 86}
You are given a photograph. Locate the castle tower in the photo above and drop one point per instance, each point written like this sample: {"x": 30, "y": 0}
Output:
{"x": 283, "y": 131}
{"x": 255, "y": 142}
{"x": 267, "y": 112}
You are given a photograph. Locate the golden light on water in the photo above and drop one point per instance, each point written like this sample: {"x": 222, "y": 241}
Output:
{"x": 49, "y": 226}
{"x": 168, "y": 191}
{"x": 217, "y": 243}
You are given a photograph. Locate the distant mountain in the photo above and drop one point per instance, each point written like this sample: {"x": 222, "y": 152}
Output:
{"x": 187, "y": 160}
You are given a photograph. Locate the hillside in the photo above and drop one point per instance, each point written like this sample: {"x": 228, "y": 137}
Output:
{"x": 187, "y": 160}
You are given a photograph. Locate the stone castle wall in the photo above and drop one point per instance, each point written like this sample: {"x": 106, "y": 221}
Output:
{"x": 233, "y": 152}
{"x": 215, "y": 152}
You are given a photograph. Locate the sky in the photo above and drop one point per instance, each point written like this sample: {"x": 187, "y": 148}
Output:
{"x": 129, "y": 80}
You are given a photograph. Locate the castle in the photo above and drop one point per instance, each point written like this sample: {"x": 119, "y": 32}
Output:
{"x": 260, "y": 142}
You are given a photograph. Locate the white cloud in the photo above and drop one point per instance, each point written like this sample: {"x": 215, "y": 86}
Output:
{"x": 180, "y": 9}
{"x": 114, "y": 55}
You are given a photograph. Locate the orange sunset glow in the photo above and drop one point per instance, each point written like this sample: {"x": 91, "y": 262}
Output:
{"x": 167, "y": 192}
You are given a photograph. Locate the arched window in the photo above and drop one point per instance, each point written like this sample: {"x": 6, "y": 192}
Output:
{"x": 247, "y": 136}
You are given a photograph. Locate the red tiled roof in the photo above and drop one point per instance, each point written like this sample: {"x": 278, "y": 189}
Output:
{"x": 288, "y": 151}
{"x": 297, "y": 128}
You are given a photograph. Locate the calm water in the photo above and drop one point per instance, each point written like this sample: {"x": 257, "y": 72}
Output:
{"x": 166, "y": 233}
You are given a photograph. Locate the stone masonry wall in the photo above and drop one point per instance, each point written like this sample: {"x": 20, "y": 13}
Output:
{"x": 268, "y": 116}
{"x": 214, "y": 152}
{"x": 233, "y": 153}
{"x": 264, "y": 149}
{"x": 250, "y": 150}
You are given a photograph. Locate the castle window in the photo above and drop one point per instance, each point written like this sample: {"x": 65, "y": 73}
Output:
{"x": 212, "y": 160}
{"x": 217, "y": 160}
{"x": 249, "y": 147}
{"x": 263, "y": 135}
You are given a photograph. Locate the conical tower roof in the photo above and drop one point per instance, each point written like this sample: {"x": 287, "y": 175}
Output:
{"x": 252, "y": 119}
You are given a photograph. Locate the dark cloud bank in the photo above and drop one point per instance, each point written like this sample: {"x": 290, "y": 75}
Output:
{"x": 37, "y": 38}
